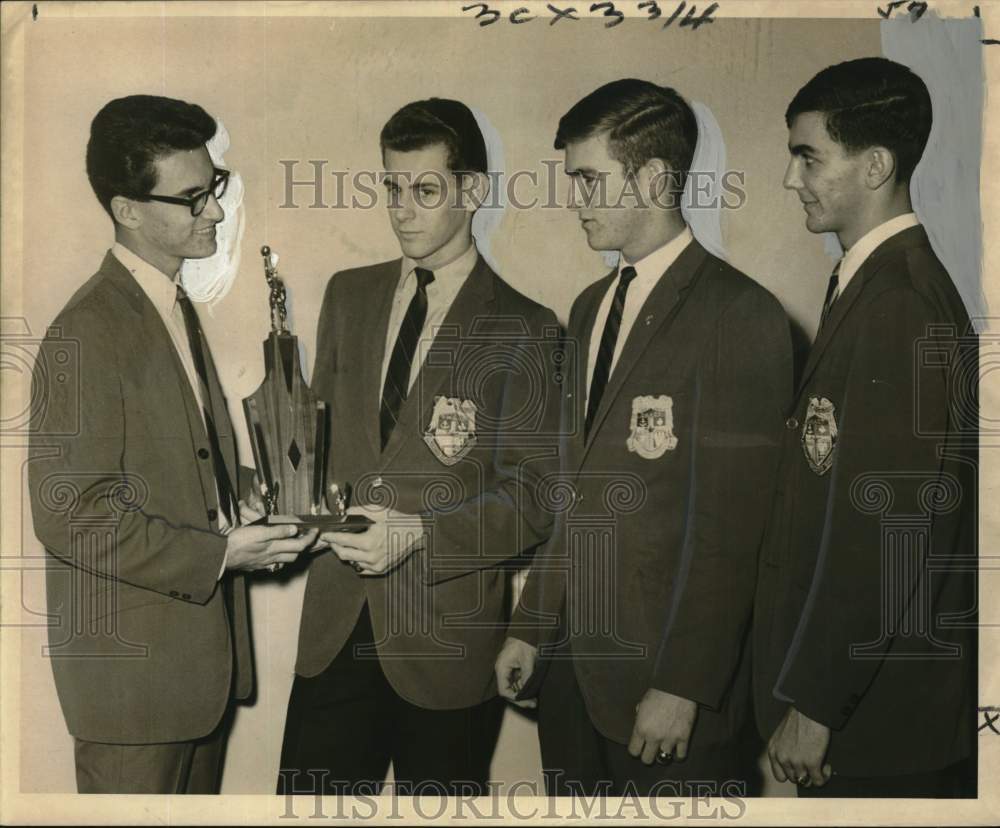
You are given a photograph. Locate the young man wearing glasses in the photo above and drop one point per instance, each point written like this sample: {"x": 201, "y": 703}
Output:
{"x": 134, "y": 480}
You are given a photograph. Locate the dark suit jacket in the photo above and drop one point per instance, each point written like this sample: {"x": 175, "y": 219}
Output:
{"x": 121, "y": 487}
{"x": 651, "y": 566}
{"x": 440, "y": 617}
{"x": 845, "y": 626}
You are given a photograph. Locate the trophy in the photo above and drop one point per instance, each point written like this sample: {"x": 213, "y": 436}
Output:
{"x": 289, "y": 430}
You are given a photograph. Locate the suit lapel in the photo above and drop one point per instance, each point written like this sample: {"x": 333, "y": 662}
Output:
{"x": 660, "y": 306}
{"x": 159, "y": 347}
{"x": 474, "y": 298}
{"x": 576, "y": 406}
{"x": 837, "y": 315}
{"x": 384, "y": 284}
{"x": 843, "y": 305}
{"x": 223, "y": 425}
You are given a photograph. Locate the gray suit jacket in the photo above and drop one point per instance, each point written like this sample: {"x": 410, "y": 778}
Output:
{"x": 124, "y": 500}
{"x": 866, "y": 598}
{"x": 440, "y": 617}
{"x": 650, "y": 569}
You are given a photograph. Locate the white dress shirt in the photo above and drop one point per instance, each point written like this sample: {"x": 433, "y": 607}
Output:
{"x": 441, "y": 293}
{"x": 648, "y": 271}
{"x": 865, "y": 246}
{"x": 161, "y": 290}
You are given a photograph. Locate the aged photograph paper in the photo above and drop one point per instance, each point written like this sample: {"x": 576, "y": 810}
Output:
{"x": 499, "y": 411}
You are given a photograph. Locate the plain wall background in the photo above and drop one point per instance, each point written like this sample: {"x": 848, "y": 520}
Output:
{"x": 321, "y": 88}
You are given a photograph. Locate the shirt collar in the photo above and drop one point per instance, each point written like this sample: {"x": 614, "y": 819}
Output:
{"x": 160, "y": 288}
{"x": 653, "y": 265}
{"x": 866, "y": 245}
{"x": 451, "y": 275}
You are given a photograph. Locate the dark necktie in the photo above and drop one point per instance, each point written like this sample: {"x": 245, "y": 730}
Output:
{"x": 831, "y": 296}
{"x": 397, "y": 377}
{"x": 602, "y": 368}
{"x": 193, "y": 328}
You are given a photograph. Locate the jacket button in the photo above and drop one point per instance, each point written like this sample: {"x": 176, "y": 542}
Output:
{"x": 203, "y": 453}
{"x": 174, "y": 593}
{"x": 791, "y": 424}
{"x": 186, "y": 596}
{"x": 212, "y": 514}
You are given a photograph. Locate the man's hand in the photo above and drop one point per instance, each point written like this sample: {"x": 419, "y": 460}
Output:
{"x": 514, "y": 667}
{"x": 797, "y": 749}
{"x": 383, "y": 545}
{"x": 663, "y": 724}
{"x": 250, "y": 548}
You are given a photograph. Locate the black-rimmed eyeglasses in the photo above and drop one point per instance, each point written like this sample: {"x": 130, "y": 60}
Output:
{"x": 198, "y": 201}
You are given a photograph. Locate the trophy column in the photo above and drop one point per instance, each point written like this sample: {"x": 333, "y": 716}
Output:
{"x": 288, "y": 424}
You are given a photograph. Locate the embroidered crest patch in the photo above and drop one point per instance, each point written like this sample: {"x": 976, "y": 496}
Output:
{"x": 819, "y": 434}
{"x": 452, "y": 430}
{"x": 652, "y": 426}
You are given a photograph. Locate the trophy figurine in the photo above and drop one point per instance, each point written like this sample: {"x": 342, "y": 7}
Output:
{"x": 289, "y": 428}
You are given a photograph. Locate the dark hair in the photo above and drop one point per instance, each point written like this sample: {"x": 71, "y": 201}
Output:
{"x": 438, "y": 121}
{"x": 642, "y": 120}
{"x": 871, "y": 102}
{"x": 129, "y": 134}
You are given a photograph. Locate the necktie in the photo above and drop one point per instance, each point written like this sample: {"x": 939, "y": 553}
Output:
{"x": 602, "y": 368}
{"x": 193, "y": 329}
{"x": 397, "y": 377}
{"x": 831, "y": 296}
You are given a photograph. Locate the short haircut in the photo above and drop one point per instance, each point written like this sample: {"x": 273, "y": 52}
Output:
{"x": 129, "y": 134}
{"x": 438, "y": 121}
{"x": 871, "y": 102}
{"x": 642, "y": 121}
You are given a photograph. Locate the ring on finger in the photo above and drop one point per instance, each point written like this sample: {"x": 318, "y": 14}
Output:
{"x": 357, "y": 567}
{"x": 274, "y": 567}
{"x": 803, "y": 780}
{"x": 664, "y": 758}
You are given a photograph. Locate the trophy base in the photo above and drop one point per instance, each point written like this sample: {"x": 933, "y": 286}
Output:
{"x": 325, "y": 523}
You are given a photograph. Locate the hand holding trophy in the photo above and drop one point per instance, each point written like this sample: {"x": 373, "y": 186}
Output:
{"x": 289, "y": 431}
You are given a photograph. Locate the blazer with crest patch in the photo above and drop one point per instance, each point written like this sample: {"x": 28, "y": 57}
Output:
{"x": 659, "y": 513}
{"x": 865, "y": 608}
{"x": 440, "y": 616}
{"x": 124, "y": 499}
